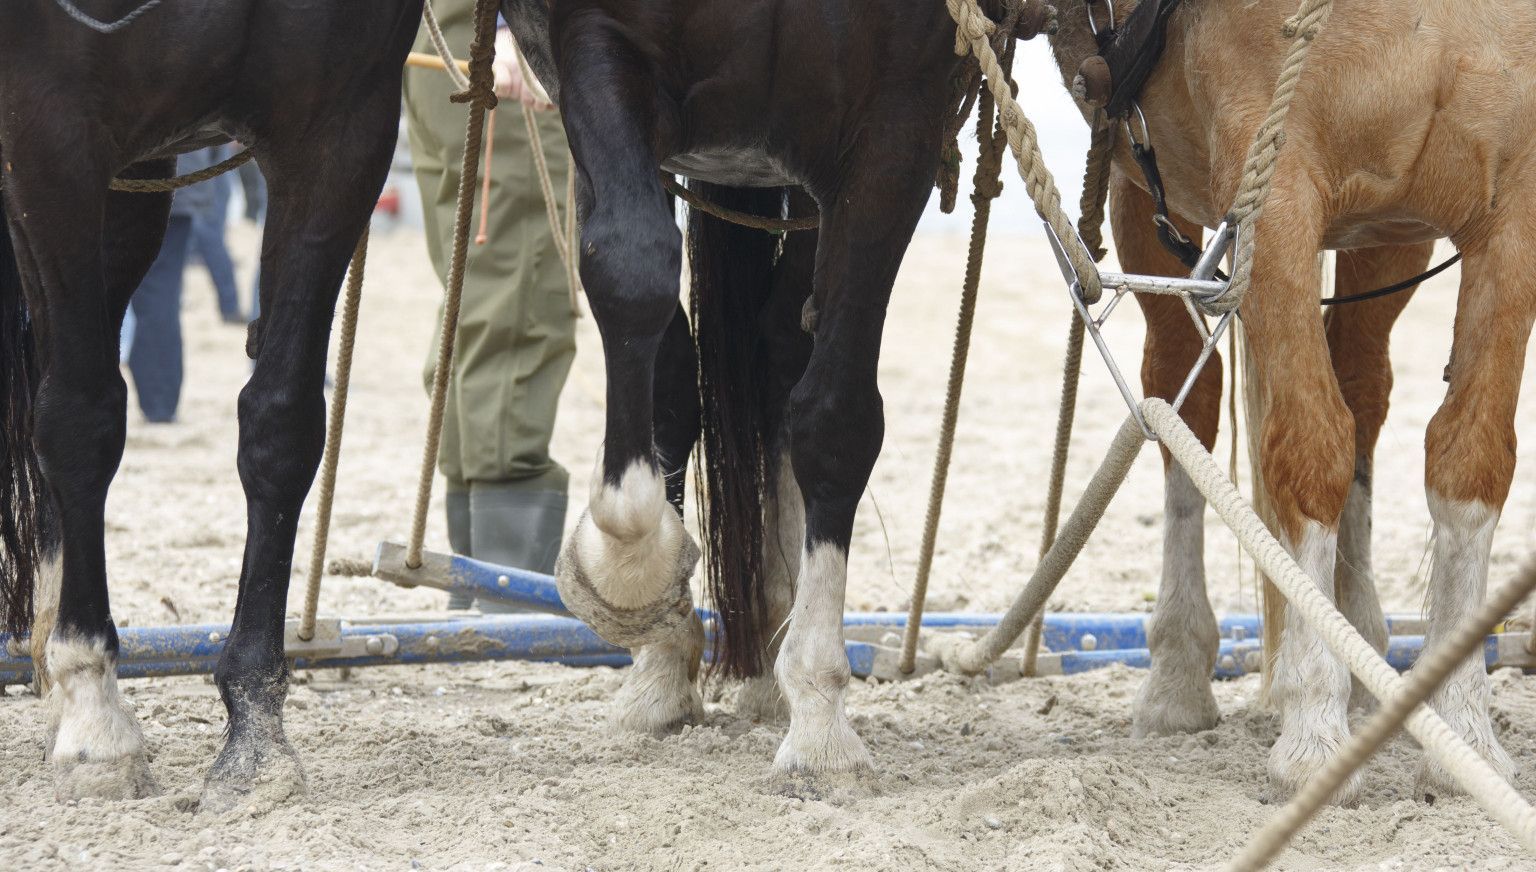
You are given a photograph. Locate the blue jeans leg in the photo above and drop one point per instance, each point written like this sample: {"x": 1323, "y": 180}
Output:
{"x": 208, "y": 237}
{"x": 155, "y": 356}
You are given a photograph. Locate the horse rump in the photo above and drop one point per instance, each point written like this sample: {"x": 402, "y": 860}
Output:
{"x": 732, "y": 278}
{"x": 22, "y": 496}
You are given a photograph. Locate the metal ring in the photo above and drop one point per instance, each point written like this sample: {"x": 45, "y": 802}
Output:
{"x": 1146, "y": 133}
{"x": 1094, "y": 25}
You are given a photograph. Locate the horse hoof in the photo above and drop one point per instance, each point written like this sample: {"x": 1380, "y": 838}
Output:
{"x": 1292, "y": 763}
{"x": 760, "y": 700}
{"x": 125, "y": 777}
{"x": 833, "y": 750}
{"x": 250, "y": 774}
{"x": 660, "y": 693}
{"x": 836, "y": 788}
{"x": 593, "y": 563}
{"x": 1434, "y": 781}
{"x": 1168, "y": 708}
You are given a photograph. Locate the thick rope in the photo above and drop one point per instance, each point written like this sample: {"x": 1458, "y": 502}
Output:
{"x": 1263, "y": 155}
{"x": 481, "y": 96}
{"x": 333, "y": 434}
{"x": 1470, "y": 770}
{"x": 160, "y": 186}
{"x": 971, "y": 35}
{"x": 1432, "y": 669}
{"x": 745, "y": 219}
{"x": 1090, "y": 228}
{"x": 987, "y": 186}
{"x": 970, "y": 658}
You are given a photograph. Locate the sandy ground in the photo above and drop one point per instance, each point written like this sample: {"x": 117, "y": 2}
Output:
{"x": 513, "y": 766}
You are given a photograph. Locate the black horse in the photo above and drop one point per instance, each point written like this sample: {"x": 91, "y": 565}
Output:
{"x": 314, "y": 89}
{"x": 845, "y": 101}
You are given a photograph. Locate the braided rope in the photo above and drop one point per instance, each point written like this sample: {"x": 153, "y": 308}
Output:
{"x": 987, "y": 186}
{"x": 481, "y": 96}
{"x": 971, "y": 35}
{"x": 440, "y": 45}
{"x": 1090, "y": 228}
{"x": 333, "y": 433}
{"x": 1432, "y": 669}
{"x": 160, "y": 186}
{"x": 1471, "y": 771}
{"x": 1264, "y": 154}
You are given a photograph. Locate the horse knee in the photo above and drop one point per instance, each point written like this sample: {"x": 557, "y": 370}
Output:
{"x": 835, "y": 436}
{"x": 79, "y": 432}
{"x": 1307, "y": 459}
{"x": 630, "y": 265}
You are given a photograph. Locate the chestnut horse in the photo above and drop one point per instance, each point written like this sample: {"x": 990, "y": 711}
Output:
{"x": 314, "y": 89}
{"x": 1413, "y": 121}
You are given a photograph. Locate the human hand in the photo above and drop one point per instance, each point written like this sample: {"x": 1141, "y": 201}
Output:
{"x": 510, "y": 82}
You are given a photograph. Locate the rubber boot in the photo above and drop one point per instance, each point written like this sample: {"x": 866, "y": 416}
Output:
{"x": 457, "y": 505}
{"x": 512, "y": 526}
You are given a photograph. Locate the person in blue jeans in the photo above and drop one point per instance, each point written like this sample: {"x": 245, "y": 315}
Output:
{"x": 208, "y": 225}
{"x": 155, "y": 350}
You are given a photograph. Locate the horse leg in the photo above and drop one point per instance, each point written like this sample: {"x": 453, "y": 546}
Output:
{"x": 1469, "y": 462}
{"x": 134, "y": 224}
{"x": 1305, "y": 448}
{"x": 788, "y": 349}
{"x": 95, "y": 744}
{"x": 625, "y": 569}
{"x": 322, "y": 194}
{"x": 836, "y": 425}
{"x": 1359, "y": 335}
{"x": 1183, "y": 635}
{"x": 662, "y": 675}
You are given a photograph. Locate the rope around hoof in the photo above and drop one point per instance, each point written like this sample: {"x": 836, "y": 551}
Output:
{"x": 160, "y": 186}
{"x": 1443, "y": 744}
{"x": 745, "y": 219}
{"x": 333, "y": 433}
{"x": 1432, "y": 669}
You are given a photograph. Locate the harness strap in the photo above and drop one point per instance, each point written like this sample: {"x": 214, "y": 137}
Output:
{"x": 1179, "y": 245}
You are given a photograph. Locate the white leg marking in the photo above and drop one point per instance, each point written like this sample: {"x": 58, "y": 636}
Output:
{"x": 783, "y": 540}
{"x": 45, "y": 613}
{"x": 660, "y": 692}
{"x": 813, "y": 672}
{"x": 630, "y": 549}
{"x": 1176, "y": 697}
{"x": 1311, "y": 686}
{"x": 97, "y": 748}
{"x": 1463, "y": 541}
{"x": 1354, "y": 580}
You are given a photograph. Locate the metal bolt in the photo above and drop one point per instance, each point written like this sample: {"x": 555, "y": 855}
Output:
{"x": 214, "y": 636}
{"x": 373, "y": 645}
{"x": 503, "y": 581}
{"x": 1089, "y": 642}
{"x": 432, "y": 642}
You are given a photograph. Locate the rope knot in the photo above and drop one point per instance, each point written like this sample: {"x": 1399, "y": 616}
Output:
{"x": 482, "y": 52}
{"x": 970, "y": 24}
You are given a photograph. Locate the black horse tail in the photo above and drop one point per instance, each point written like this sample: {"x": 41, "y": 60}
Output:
{"x": 732, "y": 270}
{"x": 22, "y": 499}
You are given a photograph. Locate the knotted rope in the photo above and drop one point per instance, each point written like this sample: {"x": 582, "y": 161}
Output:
{"x": 1264, "y": 154}
{"x": 481, "y": 97}
{"x": 333, "y": 434}
{"x": 972, "y": 33}
{"x": 987, "y": 186}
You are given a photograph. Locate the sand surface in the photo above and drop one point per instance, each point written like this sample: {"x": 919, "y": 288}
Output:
{"x": 513, "y": 765}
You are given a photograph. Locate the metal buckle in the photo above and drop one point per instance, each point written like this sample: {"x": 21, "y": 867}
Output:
{"x": 1199, "y": 283}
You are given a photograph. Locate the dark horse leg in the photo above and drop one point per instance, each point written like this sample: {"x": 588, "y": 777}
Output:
{"x": 625, "y": 569}
{"x": 322, "y": 190}
{"x": 78, "y": 275}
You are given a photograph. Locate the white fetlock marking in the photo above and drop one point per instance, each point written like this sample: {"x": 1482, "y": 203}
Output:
{"x": 1311, "y": 686}
{"x": 630, "y": 550}
{"x": 1183, "y": 637}
{"x": 90, "y": 722}
{"x": 45, "y": 612}
{"x": 1355, "y": 581}
{"x": 813, "y": 672}
{"x": 1463, "y": 542}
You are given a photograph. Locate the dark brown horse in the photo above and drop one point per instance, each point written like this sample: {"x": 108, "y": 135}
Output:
{"x": 314, "y": 88}
{"x": 844, "y": 100}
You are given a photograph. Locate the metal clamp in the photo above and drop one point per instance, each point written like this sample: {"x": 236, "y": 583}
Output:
{"x": 1199, "y": 285}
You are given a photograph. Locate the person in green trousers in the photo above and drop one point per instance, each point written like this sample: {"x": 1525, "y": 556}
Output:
{"x": 506, "y": 494}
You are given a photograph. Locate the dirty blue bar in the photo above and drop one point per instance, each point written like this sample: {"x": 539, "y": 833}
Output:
{"x": 1402, "y": 653}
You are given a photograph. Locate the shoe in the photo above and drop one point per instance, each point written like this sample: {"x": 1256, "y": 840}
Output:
{"x": 510, "y": 526}
{"x": 457, "y": 505}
